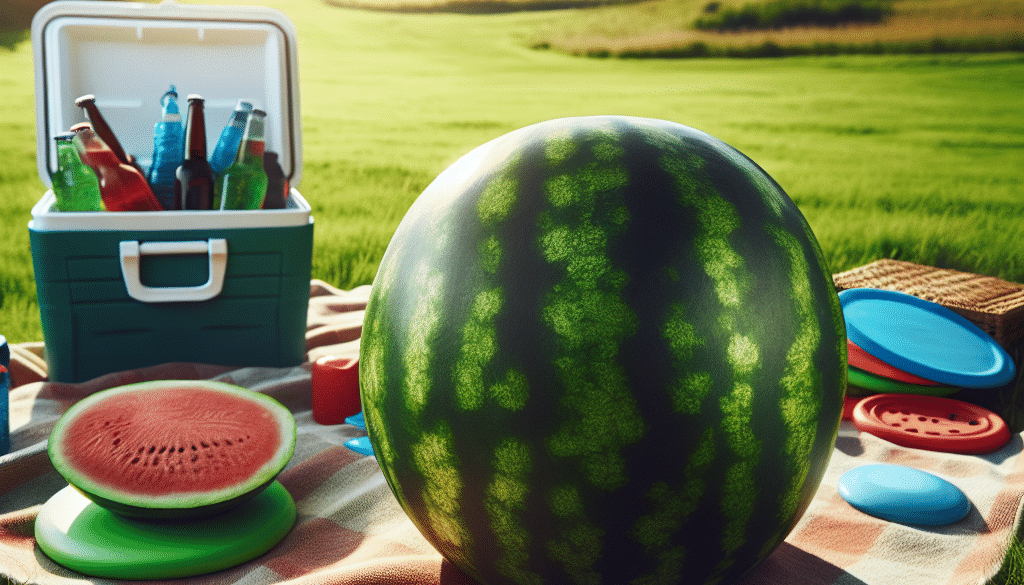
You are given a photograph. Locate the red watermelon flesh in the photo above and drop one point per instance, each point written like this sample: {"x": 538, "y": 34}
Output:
{"x": 172, "y": 445}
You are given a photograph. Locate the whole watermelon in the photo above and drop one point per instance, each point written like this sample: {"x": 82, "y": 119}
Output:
{"x": 603, "y": 350}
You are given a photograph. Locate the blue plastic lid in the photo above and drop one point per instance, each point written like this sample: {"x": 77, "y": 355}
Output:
{"x": 361, "y": 445}
{"x": 356, "y": 420}
{"x": 924, "y": 338}
{"x": 903, "y": 494}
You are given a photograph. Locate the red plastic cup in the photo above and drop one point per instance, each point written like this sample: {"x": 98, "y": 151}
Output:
{"x": 335, "y": 389}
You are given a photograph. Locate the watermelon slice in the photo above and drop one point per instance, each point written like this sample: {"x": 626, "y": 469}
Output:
{"x": 172, "y": 448}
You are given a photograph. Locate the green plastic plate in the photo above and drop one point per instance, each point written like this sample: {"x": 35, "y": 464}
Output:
{"x": 94, "y": 541}
{"x": 874, "y": 383}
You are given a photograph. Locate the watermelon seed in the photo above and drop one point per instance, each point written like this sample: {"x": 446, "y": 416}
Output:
{"x": 973, "y": 423}
{"x": 953, "y": 431}
{"x": 228, "y": 442}
{"x": 163, "y": 448}
{"x": 181, "y": 449}
{"x": 204, "y": 444}
{"x": 195, "y": 457}
{"x": 193, "y": 447}
{"x": 134, "y": 461}
{"x": 117, "y": 442}
{"x": 216, "y": 444}
{"x": 911, "y": 430}
{"x": 932, "y": 433}
{"x": 952, "y": 416}
{"x": 935, "y": 420}
{"x": 141, "y": 449}
{"x": 921, "y": 418}
{"x": 896, "y": 424}
{"x": 151, "y": 449}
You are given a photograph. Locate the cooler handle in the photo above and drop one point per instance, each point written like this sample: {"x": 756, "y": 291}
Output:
{"x": 216, "y": 248}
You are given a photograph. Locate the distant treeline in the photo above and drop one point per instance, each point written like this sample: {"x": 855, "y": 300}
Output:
{"x": 776, "y": 14}
{"x": 700, "y": 49}
{"x": 471, "y": 6}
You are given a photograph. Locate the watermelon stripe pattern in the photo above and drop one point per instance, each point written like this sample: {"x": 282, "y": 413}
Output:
{"x": 600, "y": 351}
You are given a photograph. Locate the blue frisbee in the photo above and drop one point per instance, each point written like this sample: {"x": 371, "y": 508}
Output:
{"x": 924, "y": 338}
{"x": 903, "y": 494}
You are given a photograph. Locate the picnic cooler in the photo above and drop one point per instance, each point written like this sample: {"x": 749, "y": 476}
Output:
{"x": 122, "y": 290}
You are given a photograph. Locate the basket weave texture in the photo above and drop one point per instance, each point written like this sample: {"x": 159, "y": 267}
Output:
{"x": 993, "y": 304}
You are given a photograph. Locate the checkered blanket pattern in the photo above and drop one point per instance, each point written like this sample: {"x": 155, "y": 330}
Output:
{"x": 351, "y": 531}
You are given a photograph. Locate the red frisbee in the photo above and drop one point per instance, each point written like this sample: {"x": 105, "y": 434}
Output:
{"x": 932, "y": 423}
{"x": 859, "y": 358}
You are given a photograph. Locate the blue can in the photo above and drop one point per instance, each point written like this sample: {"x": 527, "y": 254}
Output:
{"x": 5, "y": 388}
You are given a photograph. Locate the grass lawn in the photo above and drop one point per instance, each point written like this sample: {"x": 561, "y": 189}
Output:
{"x": 914, "y": 157}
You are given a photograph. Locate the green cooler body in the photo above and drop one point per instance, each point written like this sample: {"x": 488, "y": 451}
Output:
{"x": 124, "y": 290}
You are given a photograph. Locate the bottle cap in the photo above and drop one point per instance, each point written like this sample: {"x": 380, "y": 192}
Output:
{"x": 335, "y": 389}
{"x": 85, "y": 99}
{"x": 194, "y": 96}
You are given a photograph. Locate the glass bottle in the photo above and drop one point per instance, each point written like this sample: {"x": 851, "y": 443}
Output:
{"x": 244, "y": 183}
{"x": 75, "y": 185}
{"x": 168, "y": 147}
{"x": 227, "y": 145}
{"x": 277, "y": 183}
{"x": 102, "y": 129}
{"x": 122, "y": 186}
{"x": 193, "y": 180}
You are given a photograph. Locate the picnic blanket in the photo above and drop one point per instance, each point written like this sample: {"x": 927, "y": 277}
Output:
{"x": 351, "y": 530}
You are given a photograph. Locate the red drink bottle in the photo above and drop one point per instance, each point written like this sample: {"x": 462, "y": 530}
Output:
{"x": 122, "y": 186}
{"x": 193, "y": 181}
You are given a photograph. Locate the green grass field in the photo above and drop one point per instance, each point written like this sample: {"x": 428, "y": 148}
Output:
{"x": 917, "y": 157}
{"x": 914, "y": 157}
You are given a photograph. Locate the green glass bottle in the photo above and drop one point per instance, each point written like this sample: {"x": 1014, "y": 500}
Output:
{"x": 75, "y": 184}
{"x": 243, "y": 185}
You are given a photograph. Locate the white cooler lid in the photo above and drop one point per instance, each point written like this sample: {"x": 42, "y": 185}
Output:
{"x": 128, "y": 54}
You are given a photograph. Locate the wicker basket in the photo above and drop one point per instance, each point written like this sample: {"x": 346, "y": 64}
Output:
{"x": 994, "y": 305}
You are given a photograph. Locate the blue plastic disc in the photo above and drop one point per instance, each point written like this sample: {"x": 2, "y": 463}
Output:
{"x": 903, "y": 494}
{"x": 361, "y": 445}
{"x": 357, "y": 420}
{"x": 924, "y": 338}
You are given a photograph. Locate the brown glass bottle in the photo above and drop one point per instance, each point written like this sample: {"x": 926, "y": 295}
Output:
{"x": 102, "y": 129}
{"x": 277, "y": 183}
{"x": 193, "y": 181}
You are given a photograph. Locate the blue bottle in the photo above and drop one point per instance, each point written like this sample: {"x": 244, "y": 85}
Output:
{"x": 168, "y": 150}
{"x": 5, "y": 384}
{"x": 227, "y": 145}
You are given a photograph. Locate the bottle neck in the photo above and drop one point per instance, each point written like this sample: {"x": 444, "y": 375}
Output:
{"x": 102, "y": 129}
{"x": 195, "y": 130}
{"x": 250, "y": 151}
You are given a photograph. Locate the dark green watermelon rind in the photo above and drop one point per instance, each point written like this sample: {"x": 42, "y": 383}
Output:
{"x": 180, "y": 505}
{"x": 710, "y": 510}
